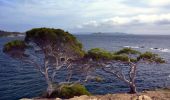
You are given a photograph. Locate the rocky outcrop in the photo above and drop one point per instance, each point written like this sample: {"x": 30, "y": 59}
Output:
{"x": 163, "y": 94}
{"x": 113, "y": 97}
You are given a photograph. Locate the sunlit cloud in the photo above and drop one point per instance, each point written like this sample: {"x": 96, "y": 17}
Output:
{"x": 132, "y": 20}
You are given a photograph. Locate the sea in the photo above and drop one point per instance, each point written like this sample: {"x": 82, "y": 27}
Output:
{"x": 18, "y": 80}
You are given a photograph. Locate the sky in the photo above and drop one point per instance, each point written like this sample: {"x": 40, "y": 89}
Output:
{"x": 84, "y": 16}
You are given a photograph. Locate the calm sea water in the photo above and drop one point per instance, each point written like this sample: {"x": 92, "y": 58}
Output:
{"x": 22, "y": 80}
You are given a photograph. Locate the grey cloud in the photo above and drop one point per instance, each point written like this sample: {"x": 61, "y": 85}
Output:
{"x": 163, "y": 22}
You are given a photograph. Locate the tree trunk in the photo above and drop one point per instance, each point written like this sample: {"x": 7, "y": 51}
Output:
{"x": 49, "y": 89}
{"x": 132, "y": 89}
{"x": 49, "y": 83}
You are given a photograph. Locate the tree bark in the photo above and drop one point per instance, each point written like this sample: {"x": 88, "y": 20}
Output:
{"x": 49, "y": 83}
{"x": 132, "y": 88}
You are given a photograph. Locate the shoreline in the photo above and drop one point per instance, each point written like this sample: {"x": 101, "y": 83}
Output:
{"x": 158, "y": 94}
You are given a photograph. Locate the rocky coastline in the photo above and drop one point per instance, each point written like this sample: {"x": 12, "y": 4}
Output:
{"x": 158, "y": 94}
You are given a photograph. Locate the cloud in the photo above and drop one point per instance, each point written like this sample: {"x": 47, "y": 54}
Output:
{"x": 139, "y": 24}
{"x": 147, "y": 3}
{"x": 20, "y": 15}
{"x": 158, "y": 3}
{"x": 133, "y": 20}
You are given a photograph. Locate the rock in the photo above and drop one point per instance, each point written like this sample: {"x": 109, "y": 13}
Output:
{"x": 58, "y": 99}
{"x": 141, "y": 97}
{"x": 84, "y": 97}
{"x": 25, "y": 99}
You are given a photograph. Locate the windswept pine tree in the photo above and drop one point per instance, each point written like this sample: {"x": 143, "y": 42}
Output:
{"x": 115, "y": 63}
{"x": 47, "y": 49}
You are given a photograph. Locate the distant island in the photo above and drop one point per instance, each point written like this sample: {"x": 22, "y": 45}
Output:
{"x": 109, "y": 33}
{"x": 10, "y": 34}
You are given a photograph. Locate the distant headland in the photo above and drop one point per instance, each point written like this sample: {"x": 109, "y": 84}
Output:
{"x": 109, "y": 33}
{"x": 10, "y": 34}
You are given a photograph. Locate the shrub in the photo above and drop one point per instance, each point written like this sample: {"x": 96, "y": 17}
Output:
{"x": 68, "y": 91}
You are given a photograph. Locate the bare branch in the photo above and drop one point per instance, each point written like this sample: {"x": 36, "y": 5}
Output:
{"x": 118, "y": 74}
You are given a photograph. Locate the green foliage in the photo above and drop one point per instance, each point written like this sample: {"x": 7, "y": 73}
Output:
{"x": 133, "y": 60}
{"x": 160, "y": 60}
{"x": 14, "y": 45}
{"x": 97, "y": 53}
{"x": 50, "y": 34}
{"x": 69, "y": 91}
{"x": 147, "y": 55}
{"x": 40, "y": 33}
{"x": 60, "y": 38}
{"x": 151, "y": 57}
{"x": 127, "y": 51}
{"x": 120, "y": 57}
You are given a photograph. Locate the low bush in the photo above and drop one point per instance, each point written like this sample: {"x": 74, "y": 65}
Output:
{"x": 67, "y": 91}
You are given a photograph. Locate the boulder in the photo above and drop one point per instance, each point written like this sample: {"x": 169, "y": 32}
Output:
{"x": 84, "y": 97}
{"x": 141, "y": 97}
